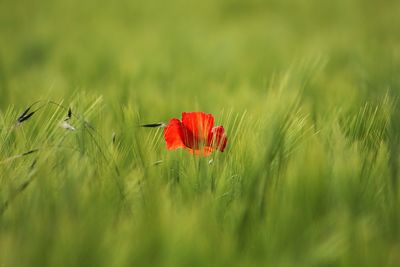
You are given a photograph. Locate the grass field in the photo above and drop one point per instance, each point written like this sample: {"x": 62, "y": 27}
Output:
{"x": 308, "y": 93}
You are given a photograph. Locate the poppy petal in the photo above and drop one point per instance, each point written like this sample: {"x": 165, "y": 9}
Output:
{"x": 217, "y": 138}
{"x": 199, "y": 123}
{"x": 205, "y": 151}
{"x": 173, "y": 134}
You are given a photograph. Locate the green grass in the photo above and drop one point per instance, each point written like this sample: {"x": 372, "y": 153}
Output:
{"x": 306, "y": 90}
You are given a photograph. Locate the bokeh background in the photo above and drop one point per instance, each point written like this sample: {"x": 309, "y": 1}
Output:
{"x": 206, "y": 52}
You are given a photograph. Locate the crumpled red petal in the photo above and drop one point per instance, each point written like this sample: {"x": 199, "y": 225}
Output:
{"x": 198, "y": 123}
{"x": 217, "y": 138}
{"x": 173, "y": 134}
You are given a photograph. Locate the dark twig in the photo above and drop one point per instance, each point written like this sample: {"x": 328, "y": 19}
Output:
{"x": 19, "y": 156}
{"x": 153, "y": 125}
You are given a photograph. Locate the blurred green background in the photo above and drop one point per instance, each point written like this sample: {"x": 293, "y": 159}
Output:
{"x": 306, "y": 89}
{"x": 159, "y": 52}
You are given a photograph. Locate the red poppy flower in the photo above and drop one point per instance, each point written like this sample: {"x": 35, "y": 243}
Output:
{"x": 196, "y": 133}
